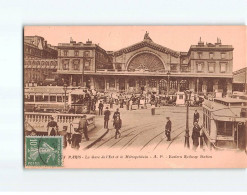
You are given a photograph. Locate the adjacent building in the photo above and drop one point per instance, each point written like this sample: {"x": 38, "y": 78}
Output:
{"x": 40, "y": 61}
{"x": 240, "y": 80}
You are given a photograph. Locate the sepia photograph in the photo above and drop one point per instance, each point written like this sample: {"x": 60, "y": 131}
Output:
{"x": 135, "y": 97}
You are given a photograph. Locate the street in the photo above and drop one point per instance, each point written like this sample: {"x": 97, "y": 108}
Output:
{"x": 144, "y": 132}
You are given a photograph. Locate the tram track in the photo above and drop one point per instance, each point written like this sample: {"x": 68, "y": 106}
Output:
{"x": 113, "y": 137}
{"x": 134, "y": 138}
{"x": 162, "y": 132}
{"x": 172, "y": 139}
{"x": 151, "y": 125}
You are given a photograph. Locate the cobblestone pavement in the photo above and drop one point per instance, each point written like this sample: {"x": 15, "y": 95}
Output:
{"x": 144, "y": 132}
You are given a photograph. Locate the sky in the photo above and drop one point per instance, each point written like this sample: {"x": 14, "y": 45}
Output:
{"x": 178, "y": 38}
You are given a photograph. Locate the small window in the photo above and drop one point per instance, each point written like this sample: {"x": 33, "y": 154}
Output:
{"x": 223, "y": 67}
{"x": 86, "y": 53}
{"x": 223, "y": 55}
{"x": 180, "y": 97}
{"x": 65, "y": 53}
{"x": 59, "y": 99}
{"x": 224, "y": 128}
{"x": 199, "y": 67}
{"x": 53, "y": 98}
{"x": 46, "y": 97}
{"x": 211, "y": 55}
{"x": 199, "y": 55}
{"x": 76, "y": 53}
{"x": 211, "y": 67}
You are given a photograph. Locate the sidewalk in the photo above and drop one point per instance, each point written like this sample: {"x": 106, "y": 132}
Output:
{"x": 95, "y": 135}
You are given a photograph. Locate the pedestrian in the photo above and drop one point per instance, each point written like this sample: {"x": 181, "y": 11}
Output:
{"x": 52, "y": 127}
{"x": 111, "y": 103}
{"x": 196, "y": 135}
{"x": 107, "y": 114}
{"x": 33, "y": 132}
{"x": 65, "y": 136}
{"x": 127, "y": 104}
{"x": 117, "y": 125}
{"x": 76, "y": 134}
{"x": 152, "y": 108}
{"x": 101, "y": 105}
{"x": 196, "y": 117}
{"x": 83, "y": 126}
{"x": 168, "y": 128}
{"x": 117, "y": 113}
{"x": 130, "y": 104}
{"x": 138, "y": 102}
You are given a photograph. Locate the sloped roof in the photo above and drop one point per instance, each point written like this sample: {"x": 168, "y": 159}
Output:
{"x": 147, "y": 43}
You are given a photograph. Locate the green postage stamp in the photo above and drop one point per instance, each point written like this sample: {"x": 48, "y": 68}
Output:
{"x": 44, "y": 151}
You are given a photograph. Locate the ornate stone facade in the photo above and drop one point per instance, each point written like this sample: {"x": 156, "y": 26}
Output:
{"x": 147, "y": 66}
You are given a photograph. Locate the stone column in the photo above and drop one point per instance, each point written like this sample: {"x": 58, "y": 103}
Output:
{"x": 71, "y": 80}
{"x": 92, "y": 84}
{"x": 215, "y": 85}
{"x": 204, "y": 87}
{"x": 178, "y": 80}
{"x": 137, "y": 85}
{"x": 126, "y": 85}
{"x": 191, "y": 84}
{"x": 147, "y": 84}
{"x": 197, "y": 85}
{"x": 158, "y": 87}
{"x": 229, "y": 87}
{"x": 105, "y": 84}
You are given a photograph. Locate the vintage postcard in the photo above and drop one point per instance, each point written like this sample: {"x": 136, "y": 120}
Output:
{"x": 135, "y": 97}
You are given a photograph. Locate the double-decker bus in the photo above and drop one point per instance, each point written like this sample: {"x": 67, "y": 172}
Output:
{"x": 224, "y": 123}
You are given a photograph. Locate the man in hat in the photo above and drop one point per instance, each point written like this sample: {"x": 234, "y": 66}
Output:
{"x": 83, "y": 126}
{"x": 196, "y": 117}
{"x": 168, "y": 128}
{"x": 52, "y": 127}
{"x": 115, "y": 115}
{"x": 196, "y": 135}
{"x": 107, "y": 114}
{"x": 101, "y": 108}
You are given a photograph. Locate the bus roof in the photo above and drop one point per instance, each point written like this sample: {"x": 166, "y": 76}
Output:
{"x": 226, "y": 109}
{"x": 227, "y": 101}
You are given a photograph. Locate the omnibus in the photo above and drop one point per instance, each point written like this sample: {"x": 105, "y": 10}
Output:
{"x": 53, "y": 99}
{"x": 224, "y": 123}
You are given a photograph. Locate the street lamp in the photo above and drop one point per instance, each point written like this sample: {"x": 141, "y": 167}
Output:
{"x": 187, "y": 135}
{"x": 65, "y": 90}
{"x": 168, "y": 80}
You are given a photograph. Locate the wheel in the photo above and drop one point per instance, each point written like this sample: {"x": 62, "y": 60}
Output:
{"x": 174, "y": 104}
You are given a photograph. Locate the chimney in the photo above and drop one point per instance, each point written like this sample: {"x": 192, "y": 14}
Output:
{"x": 200, "y": 43}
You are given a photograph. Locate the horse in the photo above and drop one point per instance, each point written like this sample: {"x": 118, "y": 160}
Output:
{"x": 117, "y": 125}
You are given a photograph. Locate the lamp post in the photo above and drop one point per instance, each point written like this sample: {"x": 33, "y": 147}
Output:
{"x": 65, "y": 90}
{"x": 187, "y": 135}
{"x": 82, "y": 76}
{"x": 168, "y": 81}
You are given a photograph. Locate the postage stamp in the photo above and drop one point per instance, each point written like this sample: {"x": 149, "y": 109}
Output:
{"x": 44, "y": 151}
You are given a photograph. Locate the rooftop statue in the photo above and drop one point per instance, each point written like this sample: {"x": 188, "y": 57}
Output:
{"x": 146, "y": 37}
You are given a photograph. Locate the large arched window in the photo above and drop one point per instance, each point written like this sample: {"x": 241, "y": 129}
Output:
{"x": 163, "y": 84}
{"x": 146, "y": 62}
{"x": 184, "y": 85}
{"x": 153, "y": 83}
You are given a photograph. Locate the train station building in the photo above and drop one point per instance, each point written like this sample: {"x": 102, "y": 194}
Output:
{"x": 147, "y": 66}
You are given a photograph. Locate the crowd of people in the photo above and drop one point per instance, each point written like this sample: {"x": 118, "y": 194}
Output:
{"x": 104, "y": 102}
